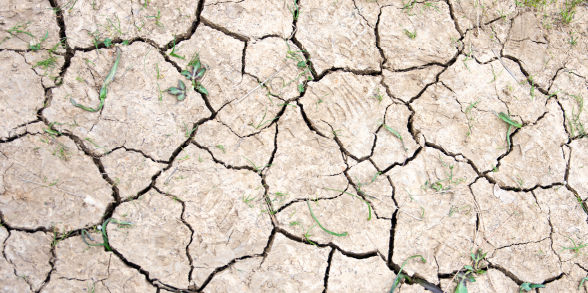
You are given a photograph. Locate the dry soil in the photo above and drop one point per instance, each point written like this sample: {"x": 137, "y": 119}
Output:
{"x": 330, "y": 146}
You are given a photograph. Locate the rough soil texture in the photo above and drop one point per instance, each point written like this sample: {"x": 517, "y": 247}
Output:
{"x": 293, "y": 146}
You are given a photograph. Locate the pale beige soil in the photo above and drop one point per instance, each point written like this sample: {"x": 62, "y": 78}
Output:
{"x": 338, "y": 146}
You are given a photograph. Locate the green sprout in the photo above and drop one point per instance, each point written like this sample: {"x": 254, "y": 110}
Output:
{"x": 471, "y": 271}
{"x": 20, "y": 29}
{"x": 400, "y": 277}
{"x": 409, "y": 34}
{"x": 526, "y": 287}
{"x": 511, "y": 123}
{"x": 397, "y": 134}
{"x": 104, "y": 89}
{"x": 157, "y": 18}
{"x": 321, "y": 226}
{"x": 196, "y": 74}
{"x": 179, "y": 92}
{"x": 303, "y": 65}
{"x": 37, "y": 46}
{"x": 173, "y": 51}
{"x": 295, "y": 10}
{"x": 468, "y": 112}
{"x": 86, "y": 236}
{"x": 576, "y": 247}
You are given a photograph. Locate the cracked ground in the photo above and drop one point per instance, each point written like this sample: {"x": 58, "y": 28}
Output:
{"x": 340, "y": 146}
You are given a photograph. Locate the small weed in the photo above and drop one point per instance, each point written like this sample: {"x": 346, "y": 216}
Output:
{"x": 303, "y": 66}
{"x": 376, "y": 95}
{"x": 526, "y": 287}
{"x": 107, "y": 42}
{"x": 20, "y": 29}
{"x": 471, "y": 271}
{"x": 196, "y": 74}
{"x": 449, "y": 180}
{"x": 409, "y": 34}
{"x": 62, "y": 152}
{"x": 569, "y": 10}
{"x": 295, "y": 10}
{"x": 408, "y": 6}
{"x": 47, "y": 63}
{"x": 269, "y": 212}
{"x": 69, "y": 5}
{"x": 321, "y": 226}
{"x": 532, "y": 88}
{"x": 37, "y": 46}
{"x": 467, "y": 58}
{"x": 115, "y": 26}
{"x": 574, "y": 122}
{"x": 307, "y": 236}
{"x": 511, "y": 123}
{"x": 57, "y": 237}
{"x": 582, "y": 282}
{"x": 431, "y": 5}
{"x": 158, "y": 75}
{"x": 157, "y": 18}
{"x": 468, "y": 113}
{"x": 52, "y": 131}
{"x": 573, "y": 40}
{"x": 90, "y": 242}
{"x": 494, "y": 75}
{"x": 375, "y": 176}
{"x": 257, "y": 169}
{"x": 248, "y": 200}
{"x": 262, "y": 122}
{"x": 397, "y": 134}
{"x": 221, "y": 147}
{"x": 520, "y": 181}
{"x": 179, "y": 92}
{"x": 279, "y": 197}
{"x": 532, "y": 3}
{"x": 173, "y": 51}
{"x": 103, "y": 89}
{"x": 188, "y": 131}
{"x": 400, "y": 277}
{"x": 91, "y": 141}
{"x": 91, "y": 288}
{"x": 60, "y": 43}
{"x": 502, "y": 14}
{"x": 576, "y": 247}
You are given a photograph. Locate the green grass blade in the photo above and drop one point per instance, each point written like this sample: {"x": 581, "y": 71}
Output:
{"x": 508, "y": 136}
{"x": 400, "y": 275}
{"x": 508, "y": 120}
{"x": 395, "y": 133}
{"x": 110, "y": 76}
{"x": 461, "y": 286}
{"x": 321, "y": 226}
{"x": 86, "y": 237}
{"x": 103, "y": 89}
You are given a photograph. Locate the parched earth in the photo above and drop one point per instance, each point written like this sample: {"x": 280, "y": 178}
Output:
{"x": 285, "y": 146}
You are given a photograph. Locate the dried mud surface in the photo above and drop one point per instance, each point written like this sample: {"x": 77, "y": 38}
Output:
{"x": 330, "y": 146}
